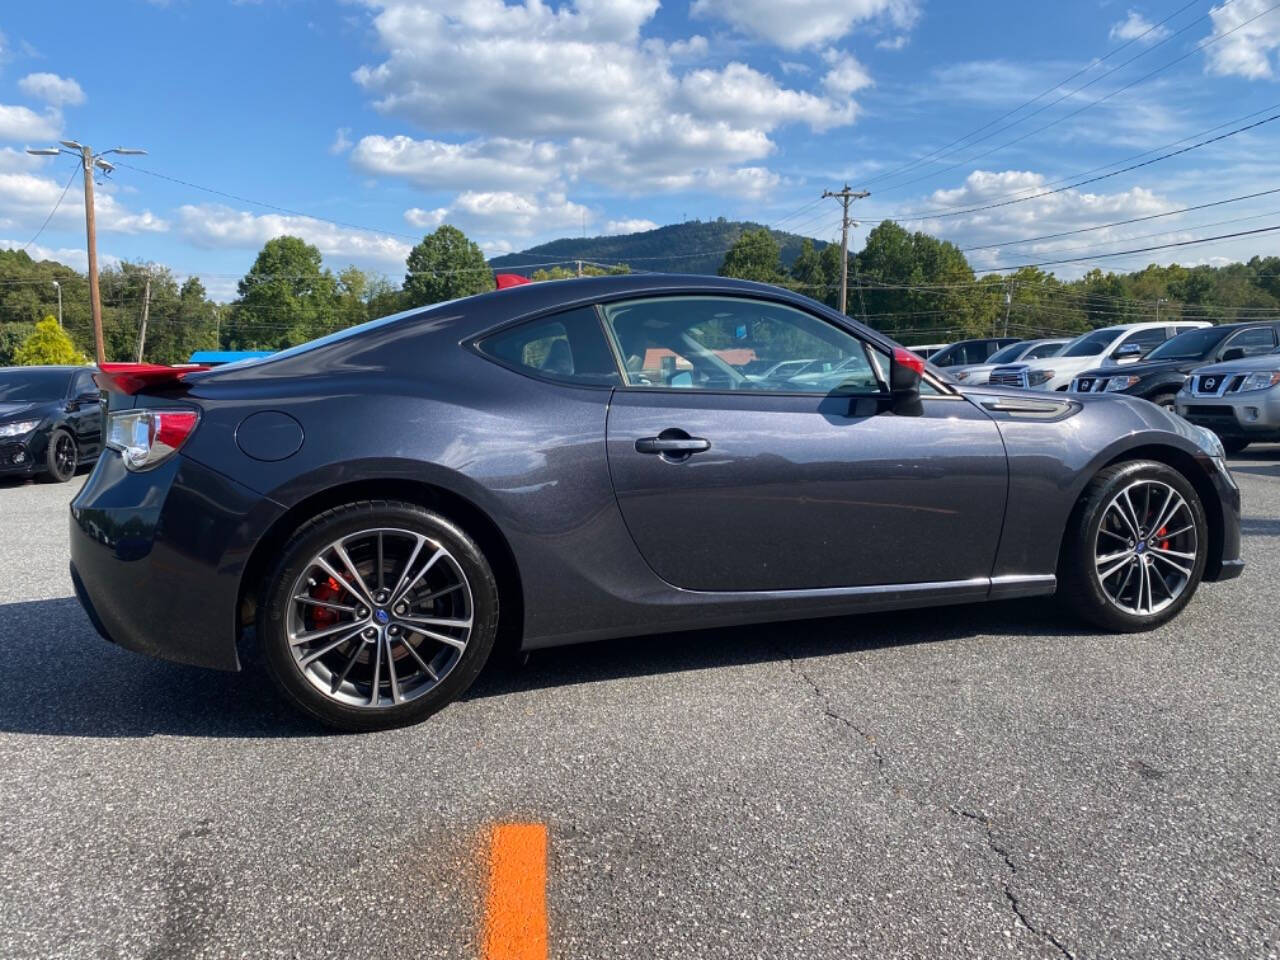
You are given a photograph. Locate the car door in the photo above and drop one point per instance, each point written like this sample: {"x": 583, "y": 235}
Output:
{"x": 85, "y": 414}
{"x": 1250, "y": 342}
{"x": 727, "y": 483}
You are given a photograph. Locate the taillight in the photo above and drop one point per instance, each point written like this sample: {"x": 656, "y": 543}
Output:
{"x": 147, "y": 438}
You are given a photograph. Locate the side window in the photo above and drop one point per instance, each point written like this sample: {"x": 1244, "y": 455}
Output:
{"x": 1255, "y": 341}
{"x": 568, "y": 346}
{"x": 1044, "y": 350}
{"x": 726, "y": 343}
{"x": 82, "y": 385}
{"x": 1148, "y": 340}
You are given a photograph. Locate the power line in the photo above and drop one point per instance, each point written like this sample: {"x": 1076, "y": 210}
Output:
{"x": 1121, "y": 223}
{"x": 1125, "y": 253}
{"x": 1093, "y": 63}
{"x": 942, "y": 215}
{"x": 1088, "y": 106}
{"x": 56, "y": 205}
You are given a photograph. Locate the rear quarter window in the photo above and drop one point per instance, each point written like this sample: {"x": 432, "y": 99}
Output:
{"x": 569, "y": 347}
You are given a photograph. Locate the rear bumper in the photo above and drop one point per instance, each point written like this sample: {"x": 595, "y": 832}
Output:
{"x": 157, "y": 557}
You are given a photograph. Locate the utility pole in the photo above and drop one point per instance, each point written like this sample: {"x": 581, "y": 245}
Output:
{"x": 1008, "y": 304}
{"x": 146, "y": 308}
{"x": 846, "y": 197}
{"x": 1159, "y": 300}
{"x": 579, "y": 263}
{"x": 89, "y": 161}
{"x": 57, "y": 286}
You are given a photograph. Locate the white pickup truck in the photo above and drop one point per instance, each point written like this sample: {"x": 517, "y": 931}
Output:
{"x": 1107, "y": 346}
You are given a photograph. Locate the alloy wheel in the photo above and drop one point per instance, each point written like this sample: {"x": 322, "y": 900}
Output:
{"x": 1146, "y": 547}
{"x": 64, "y": 455}
{"x": 379, "y": 618}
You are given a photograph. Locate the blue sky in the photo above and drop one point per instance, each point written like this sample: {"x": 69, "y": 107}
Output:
{"x": 521, "y": 122}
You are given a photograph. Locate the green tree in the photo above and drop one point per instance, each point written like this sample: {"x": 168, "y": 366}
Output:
{"x": 12, "y": 336}
{"x": 48, "y": 344}
{"x": 445, "y": 266}
{"x": 588, "y": 270}
{"x": 754, "y": 256}
{"x": 287, "y": 297}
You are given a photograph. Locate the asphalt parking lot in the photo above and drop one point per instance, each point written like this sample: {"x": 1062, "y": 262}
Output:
{"x": 968, "y": 782}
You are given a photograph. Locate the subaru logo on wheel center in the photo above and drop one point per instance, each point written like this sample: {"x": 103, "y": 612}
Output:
{"x": 381, "y": 616}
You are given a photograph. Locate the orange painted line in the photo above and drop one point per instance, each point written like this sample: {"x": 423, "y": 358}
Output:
{"x": 516, "y": 905}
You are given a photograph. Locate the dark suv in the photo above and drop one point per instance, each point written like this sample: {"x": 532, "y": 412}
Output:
{"x": 965, "y": 352}
{"x": 1161, "y": 374}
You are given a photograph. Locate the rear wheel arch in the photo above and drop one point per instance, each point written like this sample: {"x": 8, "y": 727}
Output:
{"x": 449, "y": 504}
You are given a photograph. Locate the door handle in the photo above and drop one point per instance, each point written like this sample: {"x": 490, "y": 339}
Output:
{"x": 672, "y": 445}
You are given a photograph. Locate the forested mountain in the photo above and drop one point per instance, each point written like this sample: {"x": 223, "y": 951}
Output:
{"x": 697, "y": 246}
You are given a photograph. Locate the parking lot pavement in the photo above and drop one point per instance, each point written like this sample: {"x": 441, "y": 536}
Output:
{"x": 968, "y": 782}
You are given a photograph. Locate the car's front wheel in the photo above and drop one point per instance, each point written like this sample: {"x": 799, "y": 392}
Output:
{"x": 1135, "y": 548}
{"x": 378, "y": 614}
{"x": 60, "y": 457}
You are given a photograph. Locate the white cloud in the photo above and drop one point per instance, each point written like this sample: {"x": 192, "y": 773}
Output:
{"x": 895, "y": 43}
{"x": 52, "y": 89}
{"x": 71, "y": 256}
{"x": 504, "y": 212}
{"x": 1135, "y": 26}
{"x": 1068, "y": 210}
{"x": 23, "y": 124}
{"x": 554, "y": 95}
{"x": 428, "y": 219}
{"x": 748, "y": 98}
{"x": 213, "y": 226}
{"x": 482, "y": 163}
{"x": 26, "y": 199}
{"x": 1246, "y": 52}
{"x": 634, "y": 225}
{"x": 845, "y": 75}
{"x": 792, "y": 24}
{"x": 341, "y": 141}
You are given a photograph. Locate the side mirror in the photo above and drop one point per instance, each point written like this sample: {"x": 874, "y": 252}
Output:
{"x": 905, "y": 370}
{"x": 1128, "y": 351}
{"x": 1232, "y": 353}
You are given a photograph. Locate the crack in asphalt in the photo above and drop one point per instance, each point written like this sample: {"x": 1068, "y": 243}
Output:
{"x": 1012, "y": 897}
{"x": 1014, "y": 902}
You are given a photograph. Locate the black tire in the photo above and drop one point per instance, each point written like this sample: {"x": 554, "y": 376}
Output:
{"x": 295, "y": 557}
{"x": 60, "y": 457}
{"x": 1166, "y": 400}
{"x": 1079, "y": 588}
{"x": 1233, "y": 444}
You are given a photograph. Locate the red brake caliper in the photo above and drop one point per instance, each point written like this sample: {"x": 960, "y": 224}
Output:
{"x": 1164, "y": 544}
{"x": 322, "y": 617}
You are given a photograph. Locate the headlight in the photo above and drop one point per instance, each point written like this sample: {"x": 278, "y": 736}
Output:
{"x": 1121, "y": 383}
{"x": 1037, "y": 377}
{"x": 18, "y": 428}
{"x": 1256, "y": 381}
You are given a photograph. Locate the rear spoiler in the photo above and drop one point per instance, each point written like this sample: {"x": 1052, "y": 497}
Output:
{"x": 131, "y": 378}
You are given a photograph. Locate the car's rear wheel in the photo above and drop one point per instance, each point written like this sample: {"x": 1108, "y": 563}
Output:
{"x": 377, "y": 615}
{"x": 1135, "y": 549}
{"x": 60, "y": 457}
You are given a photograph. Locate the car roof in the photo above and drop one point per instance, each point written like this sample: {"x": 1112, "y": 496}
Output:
{"x": 51, "y": 368}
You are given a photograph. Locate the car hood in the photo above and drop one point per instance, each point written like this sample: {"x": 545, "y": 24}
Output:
{"x": 1143, "y": 369}
{"x": 23, "y": 410}
{"x": 1264, "y": 361}
{"x": 1047, "y": 363}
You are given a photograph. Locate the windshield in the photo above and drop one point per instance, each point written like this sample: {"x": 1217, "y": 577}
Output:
{"x": 1008, "y": 354}
{"x": 27, "y": 385}
{"x": 1091, "y": 344}
{"x": 1191, "y": 345}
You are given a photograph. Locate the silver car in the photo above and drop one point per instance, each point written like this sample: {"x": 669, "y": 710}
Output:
{"x": 978, "y": 373}
{"x": 1239, "y": 400}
